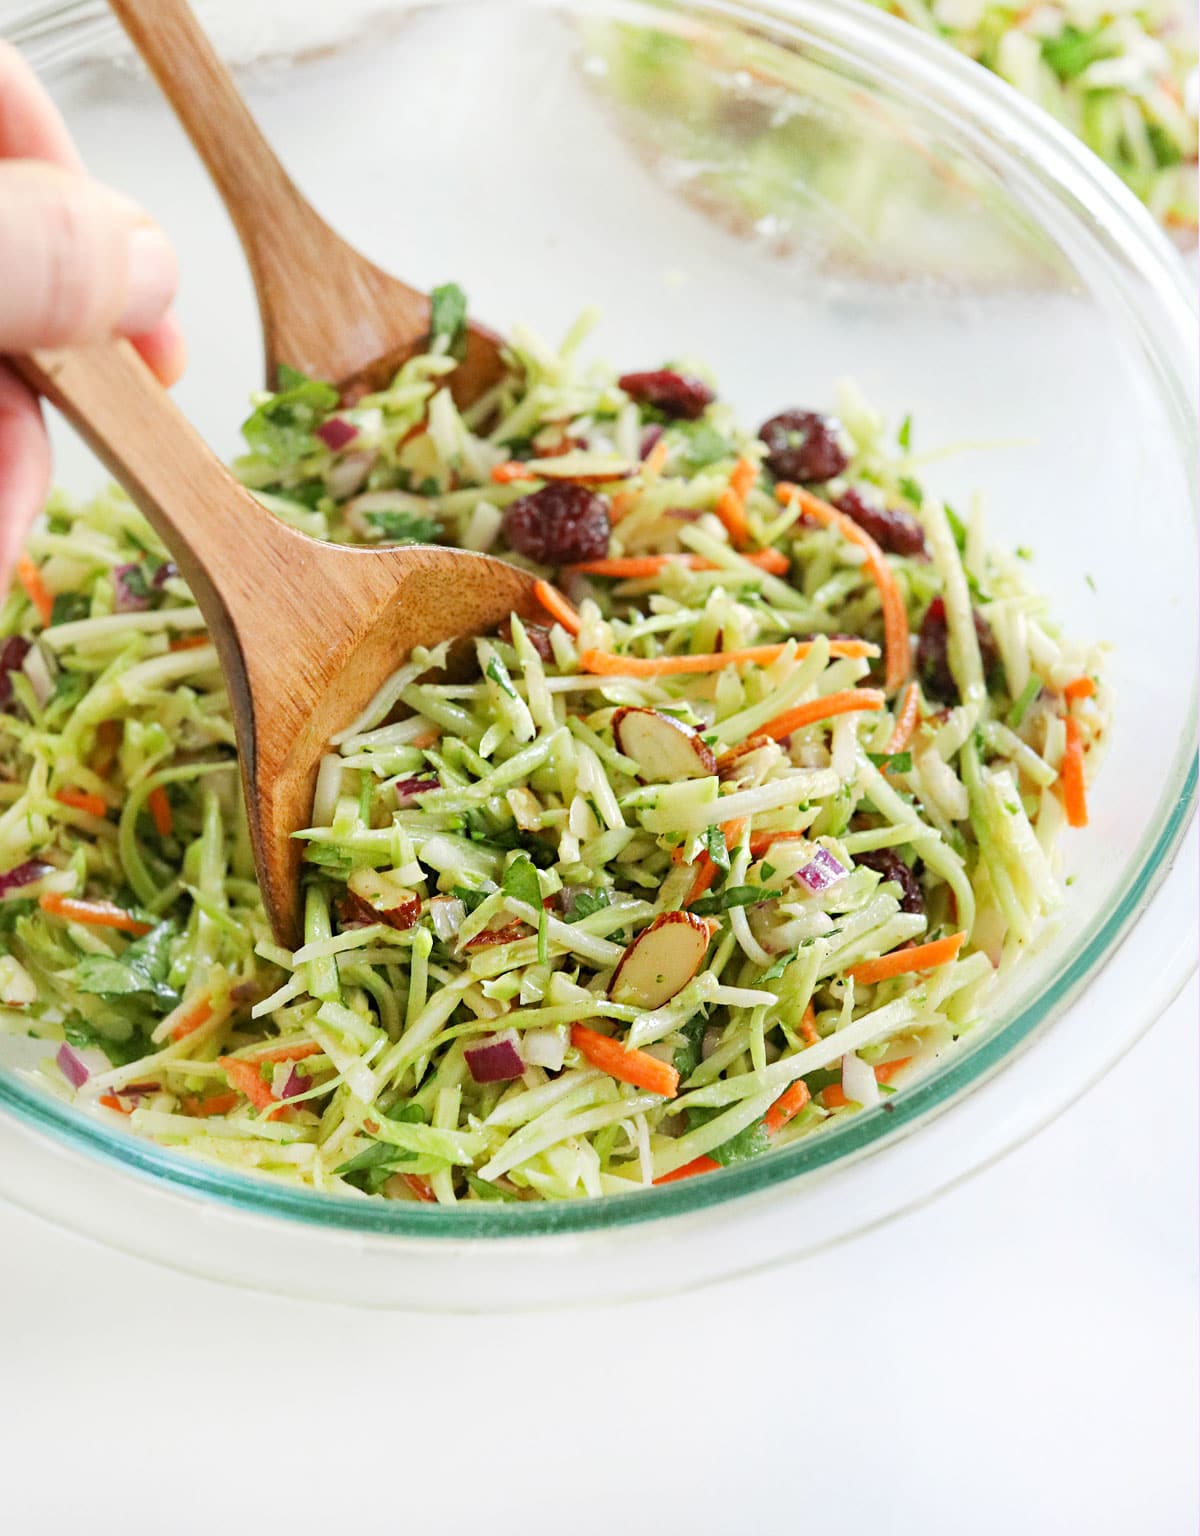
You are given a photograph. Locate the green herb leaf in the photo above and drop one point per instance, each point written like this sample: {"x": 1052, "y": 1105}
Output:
{"x": 1020, "y": 706}
{"x": 404, "y": 527}
{"x": 584, "y": 903}
{"x": 141, "y": 969}
{"x": 733, "y": 896}
{"x": 716, "y": 848}
{"x": 281, "y": 429}
{"x": 687, "y": 1056}
{"x": 777, "y": 968}
{"x": 406, "y": 1114}
{"x": 748, "y": 1143}
{"x": 120, "y": 1052}
{"x": 911, "y": 490}
{"x": 904, "y": 436}
{"x": 469, "y": 899}
{"x": 499, "y": 674}
{"x": 901, "y": 762}
{"x": 69, "y": 606}
{"x": 380, "y": 1154}
{"x": 448, "y": 319}
{"x": 1070, "y": 53}
{"x": 521, "y": 881}
{"x": 957, "y": 527}
{"x": 487, "y": 1191}
{"x": 702, "y": 445}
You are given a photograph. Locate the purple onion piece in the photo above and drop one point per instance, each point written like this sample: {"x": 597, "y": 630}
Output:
{"x": 336, "y": 433}
{"x": 128, "y": 599}
{"x": 295, "y": 1085}
{"x": 496, "y": 1060}
{"x": 139, "y": 1090}
{"x": 24, "y": 874}
{"x": 12, "y": 657}
{"x": 72, "y": 1067}
{"x": 165, "y": 573}
{"x": 407, "y": 790}
{"x": 822, "y": 871}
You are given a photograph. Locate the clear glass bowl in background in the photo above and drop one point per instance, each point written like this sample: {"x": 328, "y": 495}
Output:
{"x": 795, "y": 194}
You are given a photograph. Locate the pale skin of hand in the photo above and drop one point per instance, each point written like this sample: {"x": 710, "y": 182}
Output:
{"x": 80, "y": 263}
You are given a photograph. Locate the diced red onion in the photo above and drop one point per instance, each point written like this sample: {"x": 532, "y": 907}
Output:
{"x": 40, "y": 671}
{"x": 545, "y": 1048}
{"x": 127, "y": 600}
{"x": 72, "y": 1067}
{"x": 336, "y": 433}
{"x": 822, "y": 871}
{"x": 164, "y": 574}
{"x": 296, "y": 1084}
{"x": 139, "y": 1090}
{"x": 496, "y": 1060}
{"x": 858, "y": 1080}
{"x": 24, "y": 874}
{"x": 12, "y": 656}
{"x": 650, "y": 436}
{"x": 448, "y": 915}
{"x": 407, "y": 790}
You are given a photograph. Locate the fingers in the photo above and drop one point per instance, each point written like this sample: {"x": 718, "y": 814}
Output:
{"x": 81, "y": 263}
{"x": 24, "y": 468}
{"x": 164, "y": 349}
{"x": 30, "y": 127}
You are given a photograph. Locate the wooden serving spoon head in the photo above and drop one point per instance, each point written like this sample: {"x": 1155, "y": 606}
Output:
{"x": 306, "y": 632}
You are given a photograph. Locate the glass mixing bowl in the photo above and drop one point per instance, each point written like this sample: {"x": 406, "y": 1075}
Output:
{"x": 797, "y": 193}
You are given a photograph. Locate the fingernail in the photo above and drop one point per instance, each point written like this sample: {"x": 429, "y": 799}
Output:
{"x": 149, "y": 281}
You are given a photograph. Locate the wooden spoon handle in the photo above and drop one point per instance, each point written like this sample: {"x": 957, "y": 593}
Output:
{"x": 216, "y": 532}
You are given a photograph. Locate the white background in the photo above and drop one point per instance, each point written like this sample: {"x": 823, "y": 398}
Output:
{"x": 1018, "y": 1358}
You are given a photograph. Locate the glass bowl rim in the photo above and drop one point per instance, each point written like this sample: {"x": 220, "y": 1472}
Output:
{"x": 1074, "y": 178}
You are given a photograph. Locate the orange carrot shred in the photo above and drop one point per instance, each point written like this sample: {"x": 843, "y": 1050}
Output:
{"x": 35, "y": 588}
{"x": 636, "y": 1067}
{"x": 786, "y": 1107}
{"x": 420, "y": 1187}
{"x": 110, "y": 1101}
{"x": 160, "y": 810}
{"x": 214, "y": 1104}
{"x": 701, "y": 1164}
{"x": 96, "y": 914}
{"x": 848, "y": 701}
{"x": 243, "y": 1075}
{"x": 642, "y": 567}
{"x": 298, "y": 1052}
{"x": 557, "y": 606}
{"x": 190, "y": 1020}
{"x": 891, "y": 601}
{"x": 606, "y": 664}
{"x": 83, "y": 800}
{"x": 1070, "y": 773}
{"x": 886, "y": 1070}
{"x": 808, "y": 1025}
{"x": 834, "y": 1097}
{"x": 189, "y": 643}
{"x": 108, "y": 744}
{"x": 921, "y": 957}
{"x": 428, "y": 738}
{"x": 1079, "y": 688}
{"x": 906, "y": 719}
{"x": 510, "y": 470}
{"x": 731, "y": 507}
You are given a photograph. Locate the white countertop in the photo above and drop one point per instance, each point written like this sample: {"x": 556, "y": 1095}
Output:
{"x": 1019, "y": 1356}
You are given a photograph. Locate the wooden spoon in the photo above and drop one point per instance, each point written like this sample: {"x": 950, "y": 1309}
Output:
{"x": 325, "y": 308}
{"x": 306, "y": 632}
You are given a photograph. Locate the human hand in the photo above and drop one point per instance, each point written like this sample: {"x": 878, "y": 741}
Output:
{"x": 79, "y": 263}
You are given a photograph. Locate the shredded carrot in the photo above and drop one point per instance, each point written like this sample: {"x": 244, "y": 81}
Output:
{"x": 640, "y": 567}
{"x": 606, "y": 664}
{"x": 557, "y": 606}
{"x": 1070, "y": 772}
{"x": 214, "y": 1104}
{"x": 891, "y": 600}
{"x": 96, "y": 914}
{"x": 189, "y": 643}
{"x": 298, "y": 1052}
{"x": 110, "y": 1101}
{"x": 834, "y": 1097}
{"x": 921, "y": 957}
{"x": 731, "y": 508}
{"x": 510, "y": 470}
{"x": 808, "y": 1025}
{"x": 35, "y": 588}
{"x": 636, "y": 1067}
{"x": 1079, "y": 688}
{"x": 420, "y": 1187}
{"x": 192, "y": 1017}
{"x": 706, "y": 873}
{"x": 656, "y": 459}
{"x": 847, "y": 702}
{"x": 83, "y": 800}
{"x": 761, "y": 842}
{"x": 427, "y": 739}
{"x": 243, "y": 1075}
{"x": 786, "y": 1107}
{"x": 701, "y": 1164}
{"x": 906, "y": 719}
{"x": 160, "y": 810}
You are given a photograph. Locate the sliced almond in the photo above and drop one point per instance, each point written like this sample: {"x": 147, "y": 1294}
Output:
{"x": 664, "y": 750}
{"x": 660, "y": 961}
{"x": 727, "y": 763}
{"x": 17, "y": 986}
{"x": 383, "y": 897}
{"x": 584, "y": 468}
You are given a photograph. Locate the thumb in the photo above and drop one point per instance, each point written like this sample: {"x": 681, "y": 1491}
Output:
{"x": 80, "y": 262}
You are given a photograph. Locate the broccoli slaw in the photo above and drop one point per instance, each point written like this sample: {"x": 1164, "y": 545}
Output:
{"x": 730, "y": 846}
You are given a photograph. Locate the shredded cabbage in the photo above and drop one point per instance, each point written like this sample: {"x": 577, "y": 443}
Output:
{"x": 516, "y": 874}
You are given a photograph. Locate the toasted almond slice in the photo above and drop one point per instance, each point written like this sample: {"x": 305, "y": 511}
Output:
{"x": 728, "y": 761}
{"x": 660, "y": 961}
{"x": 584, "y": 468}
{"x": 384, "y": 899}
{"x": 664, "y": 750}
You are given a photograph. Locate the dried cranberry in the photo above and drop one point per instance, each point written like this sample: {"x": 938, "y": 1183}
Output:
{"x": 895, "y": 531}
{"x": 804, "y": 445}
{"x": 888, "y": 863}
{"x": 12, "y": 653}
{"x": 537, "y": 635}
{"x": 559, "y": 525}
{"x": 675, "y": 394}
{"x": 933, "y": 652}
